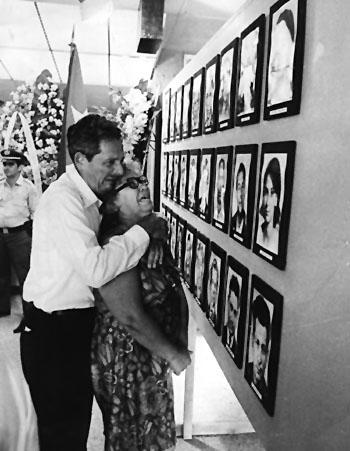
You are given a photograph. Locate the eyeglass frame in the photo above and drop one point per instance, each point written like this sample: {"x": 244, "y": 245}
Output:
{"x": 132, "y": 182}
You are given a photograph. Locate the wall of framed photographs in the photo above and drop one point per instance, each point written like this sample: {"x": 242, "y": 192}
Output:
{"x": 255, "y": 166}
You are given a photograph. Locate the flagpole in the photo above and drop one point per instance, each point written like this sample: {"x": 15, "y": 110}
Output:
{"x": 62, "y": 160}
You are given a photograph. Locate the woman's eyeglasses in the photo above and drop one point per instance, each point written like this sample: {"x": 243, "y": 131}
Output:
{"x": 132, "y": 182}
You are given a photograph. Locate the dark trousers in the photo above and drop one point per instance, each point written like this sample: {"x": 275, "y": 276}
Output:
{"x": 14, "y": 250}
{"x": 55, "y": 358}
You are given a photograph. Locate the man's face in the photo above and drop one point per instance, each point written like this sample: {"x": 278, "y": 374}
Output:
{"x": 213, "y": 286}
{"x": 260, "y": 352}
{"x": 199, "y": 268}
{"x": 233, "y": 312}
{"x": 11, "y": 168}
{"x": 240, "y": 190}
{"x": 105, "y": 170}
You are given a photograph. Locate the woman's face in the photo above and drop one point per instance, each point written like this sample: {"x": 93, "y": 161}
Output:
{"x": 269, "y": 199}
{"x": 131, "y": 204}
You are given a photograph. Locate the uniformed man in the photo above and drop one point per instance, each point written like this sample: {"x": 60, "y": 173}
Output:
{"x": 18, "y": 200}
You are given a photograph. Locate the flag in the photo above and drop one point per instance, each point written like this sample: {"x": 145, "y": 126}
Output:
{"x": 75, "y": 106}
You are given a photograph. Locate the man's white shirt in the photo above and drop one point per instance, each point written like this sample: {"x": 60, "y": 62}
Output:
{"x": 66, "y": 260}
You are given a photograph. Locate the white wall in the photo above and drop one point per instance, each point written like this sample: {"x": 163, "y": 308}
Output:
{"x": 313, "y": 391}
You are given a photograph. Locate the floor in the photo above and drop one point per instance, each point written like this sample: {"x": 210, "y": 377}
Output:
{"x": 214, "y": 410}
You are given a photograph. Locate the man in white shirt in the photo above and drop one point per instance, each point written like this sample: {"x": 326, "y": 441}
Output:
{"x": 18, "y": 200}
{"x": 66, "y": 264}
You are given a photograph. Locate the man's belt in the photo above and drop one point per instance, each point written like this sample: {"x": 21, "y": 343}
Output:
{"x": 25, "y": 226}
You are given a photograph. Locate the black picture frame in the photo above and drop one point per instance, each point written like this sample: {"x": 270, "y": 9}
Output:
{"x": 285, "y": 56}
{"x": 164, "y": 173}
{"x": 186, "y": 109}
{"x": 211, "y": 95}
{"x": 271, "y": 228}
{"x": 262, "y": 354}
{"x": 205, "y": 184}
{"x": 235, "y": 309}
{"x": 180, "y": 239}
{"x": 188, "y": 255}
{"x": 178, "y": 115}
{"x": 200, "y": 271}
{"x": 176, "y": 174}
{"x": 248, "y": 98}
{"x": 215, "y": 286}
{"x": 243, "y": 192}
{"x": 192, "y": 191}
{"x": 170, "y": 176}
{"x": 166, "y": 116}
{"x": 163, "y": 210}
{"x": 183, "y": 186}
{"x": 173, "y": 233}
{"x": 172, "y": 116}
{"x": 222, "y": 172}
{"x": 197, "y": 103}
{"x": 227, "y": 85}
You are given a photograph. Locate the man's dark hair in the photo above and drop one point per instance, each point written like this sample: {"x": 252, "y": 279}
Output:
{"x": 214, "y": 267}
{"x": 260, "y": 312}
{"x": 241, "y": 169}
{"x": 86, "y": 135}
{"x": 234, "y": 286}
{"x": 287, "y": 17}
{"x": 273, "y": 171}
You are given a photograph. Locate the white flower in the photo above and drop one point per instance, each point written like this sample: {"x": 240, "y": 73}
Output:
{"x": 39, "y": 143}
{"x": 53, "y": 111}
{"x": 50, "y": 118}
{"x": 58, "y": 122}
{"x": 42, "y": 98}
{"x": 45, "y": 86}
{"x": 54, "y": 87}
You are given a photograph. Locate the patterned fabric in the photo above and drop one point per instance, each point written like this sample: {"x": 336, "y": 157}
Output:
{"x": 132, "y": 387}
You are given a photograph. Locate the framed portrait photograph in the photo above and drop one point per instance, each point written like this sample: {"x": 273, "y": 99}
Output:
{"x": 210, "y": 95}
{"x": 263, "y": 343}
{"x": 215, "y": 286}
{"x": 170, "y": 174}
{"x": 250, "y": 73}
{"x": 188, "y": 255}
{"x": 186, "y": 109}
{"x": 197, "y": 103}
{"x": 165, "y": 116}
{"x": 176, "y": 178}
{"x": 164, "y": 173}
{"x": 205, "y": 184}
{"x": 243, "y": 193}
{"x": 222, "y": 187}
{"x": 235, "y": 309}
{"x": 227, "y": 85}
{"x": 285, "y": 59}
{"x": 274, "y": 202}
{"x": 200, "y": 269}
{"x": 173, "y": 234}
{"x": 172, "y": 117}
{"x": 192, "y": 192}
{"x": 183, "y": 183}
{"x": 178, "y": 114}
{"x": 180, "y": 238}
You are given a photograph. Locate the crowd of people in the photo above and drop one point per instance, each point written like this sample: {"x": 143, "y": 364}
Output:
{"x": 103, "y": 308}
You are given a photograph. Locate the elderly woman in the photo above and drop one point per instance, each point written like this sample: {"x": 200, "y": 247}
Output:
{"x": 132, "y": 384}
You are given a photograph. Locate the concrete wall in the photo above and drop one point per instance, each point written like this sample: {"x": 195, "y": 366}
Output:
{"x": 313, "y": 401}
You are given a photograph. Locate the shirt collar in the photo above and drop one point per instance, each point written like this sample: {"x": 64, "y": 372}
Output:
{"x": 88, "y": 196}
{"x": 20, "y": 180}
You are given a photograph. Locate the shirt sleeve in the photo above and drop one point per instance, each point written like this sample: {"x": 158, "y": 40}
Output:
{"x": 77, "y": 243}
{"x": 33, "y": 199}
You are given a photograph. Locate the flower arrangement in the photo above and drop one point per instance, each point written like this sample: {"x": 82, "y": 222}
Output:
{"x": 133, "y": 113}
{"x": 43, "y": 109}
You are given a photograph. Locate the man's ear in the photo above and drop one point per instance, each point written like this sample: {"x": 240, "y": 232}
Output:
{"x": 79, "y": 159}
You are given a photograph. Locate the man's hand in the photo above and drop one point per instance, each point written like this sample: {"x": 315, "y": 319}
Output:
{"x": 180, "y": 361}
{"x": 155, "y": 253}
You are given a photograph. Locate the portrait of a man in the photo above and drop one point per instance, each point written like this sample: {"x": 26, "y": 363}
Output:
{"x": 282, "y": 49}
{"x": 183, "y": 178}
{"x": 199, "y": 269}
{"x": 179, "y": 241}
{"x": 178, "y": 114}
{"x": 213, "y": 288}
{"x": 246, "y": 88}
{"x": 260, "y": 337}
{"x": 192, "y": 179}
{"x": 173, "y": 230}
{"x": 220, "y": 188}
{"x": 170, "y": 174}
{"x": 172, "y": 116}
{"x": 185, "y": 109}
{"x": 196, "y": 104}
{"x": 224, "y": 100}
{"x": 164, "y": 173}
{"x": 188, "y": 255}
{"x": 232, "y": 311}
{"x": 176, "y": 175}
{"x": 204, "y": 185}
{"x": 239, "y": 197}
{"x": 209, "y": 97}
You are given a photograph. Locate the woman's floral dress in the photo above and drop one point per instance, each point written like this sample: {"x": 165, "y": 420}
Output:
{"x": 134, "y": 388}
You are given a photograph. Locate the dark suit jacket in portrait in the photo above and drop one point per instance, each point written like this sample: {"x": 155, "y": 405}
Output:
{"x": 262, "y": 387}
{"x": 243, "y": 217}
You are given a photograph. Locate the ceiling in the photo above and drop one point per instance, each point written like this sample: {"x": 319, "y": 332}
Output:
{"x": 24, "y": 50}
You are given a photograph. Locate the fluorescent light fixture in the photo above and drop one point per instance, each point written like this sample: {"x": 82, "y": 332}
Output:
{"x": 96, "y": 10}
